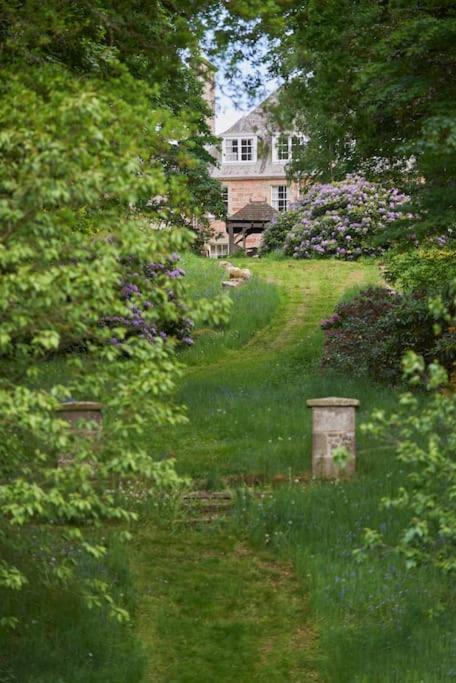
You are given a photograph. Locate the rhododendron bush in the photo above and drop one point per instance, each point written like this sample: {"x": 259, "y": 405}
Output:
{"x": 340, "y": 219}
{"x": 154, "y": 299}
{"x": 369, "y": 334}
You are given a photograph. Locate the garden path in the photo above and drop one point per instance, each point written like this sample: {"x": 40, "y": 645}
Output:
{"x": 213, "y": 608}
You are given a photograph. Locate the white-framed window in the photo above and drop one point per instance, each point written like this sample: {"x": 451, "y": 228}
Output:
{"x": 225, "y": 199}
{"x": 285, "y": 146}
{"x": 240, "y": 149}
{"x": 219, "y": 249}
{"x": 279, "y": 197}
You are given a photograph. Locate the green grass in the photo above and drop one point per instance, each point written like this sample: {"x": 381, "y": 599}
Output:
{"x": 212, "y": 610}
{"x": 248, "y": 417}
{"x": 377, "y": 621}
{"x": 253, "y": 307}
{"x": 247, "y": 406}
{"x": 60, "y": 640}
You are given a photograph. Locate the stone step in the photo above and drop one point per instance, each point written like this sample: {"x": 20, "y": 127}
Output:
{"x": 212, "y": 507}
{"x": 208, "y": 495}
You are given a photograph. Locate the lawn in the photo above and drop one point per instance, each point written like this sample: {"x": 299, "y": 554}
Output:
{"x": 249, "y": 424}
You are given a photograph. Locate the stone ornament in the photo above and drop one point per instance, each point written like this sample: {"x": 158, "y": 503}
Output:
{"x": 237, "y": 276}
{"x": 333, "y": 434}
{"x": 77, "y": 412}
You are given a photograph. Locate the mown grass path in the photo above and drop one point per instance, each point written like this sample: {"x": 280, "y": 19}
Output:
{"x": 212, "y": 608}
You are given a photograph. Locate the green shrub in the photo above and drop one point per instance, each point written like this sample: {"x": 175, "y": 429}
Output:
{"x": 424, "y": 437}
{"x": 426, "y": 268}
{"x": 277, "y": 231}
{"x": 369, "y": 334}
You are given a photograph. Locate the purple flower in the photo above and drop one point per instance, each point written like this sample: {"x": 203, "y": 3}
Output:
{"x": 177, "y": 272}
{"x": 128, "y": 290}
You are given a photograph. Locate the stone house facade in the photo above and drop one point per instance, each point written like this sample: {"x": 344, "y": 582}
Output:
{"x": 252, "y": 159}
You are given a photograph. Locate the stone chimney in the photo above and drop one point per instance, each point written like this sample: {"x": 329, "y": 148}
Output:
{"x": 207, "y": 73}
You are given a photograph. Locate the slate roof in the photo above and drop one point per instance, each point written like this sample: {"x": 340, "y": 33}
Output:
{"x": 257, "y": 122}
{"x": 254, "y": 212}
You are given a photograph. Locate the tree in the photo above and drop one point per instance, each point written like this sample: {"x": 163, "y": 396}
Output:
{"x": 84, "y": 145}
{"x": 159, "y": 44}
{"x": 373, "y": 84}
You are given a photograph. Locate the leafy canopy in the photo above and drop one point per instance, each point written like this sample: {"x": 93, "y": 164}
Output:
{"x": 94, "y": 170}
{"x": 373, "y": 86}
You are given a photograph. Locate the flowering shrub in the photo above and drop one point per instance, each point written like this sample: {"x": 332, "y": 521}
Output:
{"x": 147, "y": 315}
{"x": 369, "y": 334}
{"x": 337, "y": 219}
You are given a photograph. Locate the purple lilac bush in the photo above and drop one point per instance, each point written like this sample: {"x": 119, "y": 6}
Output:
{"x": 147, "y": 313}
{"x": 337, "y": 219}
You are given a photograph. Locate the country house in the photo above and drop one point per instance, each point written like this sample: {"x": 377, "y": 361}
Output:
{"x": 252, "y": 158}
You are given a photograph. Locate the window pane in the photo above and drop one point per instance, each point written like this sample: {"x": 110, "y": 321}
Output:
{"x": 246, "y": 149}
{"x": 231, "y": 150}
{"x": 296, "y": 143}
{"x": 225, "y": 199}
{"x": 282, "y": 147}
{"x": 280, "y": 197}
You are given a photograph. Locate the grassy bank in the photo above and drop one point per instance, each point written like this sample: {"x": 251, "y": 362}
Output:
{"x": 253, "y": 308}
{"x": 272, "y": 592}
{"x": 249, "y": 421}
{"x": 247, "y": 405}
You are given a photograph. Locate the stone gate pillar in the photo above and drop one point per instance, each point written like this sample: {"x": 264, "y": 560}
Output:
{"x": 333, "y": 426}
{"x": 76, "y": 413}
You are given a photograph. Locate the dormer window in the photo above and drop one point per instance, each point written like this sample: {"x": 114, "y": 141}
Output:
{"x": 285, "y": 147}
{"x": 239, "y": 149}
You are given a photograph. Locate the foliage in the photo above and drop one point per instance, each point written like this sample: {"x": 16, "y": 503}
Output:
{"x": 429, "y": 267}
{"x": 425, "y": 443}
{"x": 87, "y": 141}
{"x": 163, "y": 322}
{"x": 158, "y": 45}
{"x": 369, "y": 334}
{"x": 59, "y": 639}
{"x": 277, "y": 231}
{"x": 372, "y": 85}
{"x": 338, "y": 219}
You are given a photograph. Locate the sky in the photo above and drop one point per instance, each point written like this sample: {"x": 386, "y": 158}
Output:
{"x": 229, "y": 111}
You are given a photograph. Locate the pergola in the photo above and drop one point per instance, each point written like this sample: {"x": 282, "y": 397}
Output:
{"x": 251, "y": 219}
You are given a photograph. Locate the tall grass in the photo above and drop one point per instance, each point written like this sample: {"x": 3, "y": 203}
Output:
{"x": 377, "y": 622}
{"x": 253, "y": 307}
{"x": 60, "y": 640}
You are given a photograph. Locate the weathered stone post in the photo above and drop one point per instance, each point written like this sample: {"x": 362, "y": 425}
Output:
{"x": 333, "y": 426}
{"x": 74, "y": 412}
